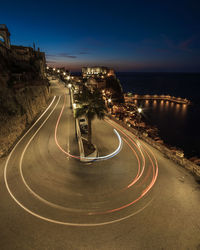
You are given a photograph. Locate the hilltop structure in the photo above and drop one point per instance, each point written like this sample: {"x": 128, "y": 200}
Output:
{"x": 97, "y": 71}
{"x": 20, "y": 59}
{"x": 4, "y": 36}
{"x": 103, "y": 78}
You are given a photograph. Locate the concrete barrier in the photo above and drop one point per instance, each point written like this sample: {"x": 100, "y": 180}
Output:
{"x": 80, "y": 139}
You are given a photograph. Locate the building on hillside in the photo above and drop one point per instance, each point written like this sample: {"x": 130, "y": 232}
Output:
{"x": 4, "y": 36}
{"x": 20, "y": 54}
{"x": 97, "y": 71}
{"x": 96, "y": 83}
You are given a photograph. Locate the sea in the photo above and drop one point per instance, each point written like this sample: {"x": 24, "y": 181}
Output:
{"x": 178, "y": 124}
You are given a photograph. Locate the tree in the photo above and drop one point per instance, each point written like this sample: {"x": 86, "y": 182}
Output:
{"x": 92, "y": 105}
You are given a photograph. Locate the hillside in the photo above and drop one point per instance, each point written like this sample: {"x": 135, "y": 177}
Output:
{"x": 23, "y": 95}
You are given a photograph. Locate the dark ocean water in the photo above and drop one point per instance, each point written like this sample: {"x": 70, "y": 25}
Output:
{"x": 179, "y": 125}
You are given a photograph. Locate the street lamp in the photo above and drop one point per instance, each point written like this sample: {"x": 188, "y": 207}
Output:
{"x": 64, "y": 73}
{"x": 110, "y": 104}
{"x": 58, "y": 71}
{"x": 68, "y": 78}
{"x": 70, "y": 93}
{"x": 54, "y": 69}
{"x": 139, "y": 117}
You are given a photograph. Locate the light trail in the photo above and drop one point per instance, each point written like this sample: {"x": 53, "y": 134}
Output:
{"x": 21, "y": 160}
{"x": 144, "y": 192}
{"x": 138, "y": 176}
{"x": 98, "y": 158}
{"x": 139, "y": 165}
{"x": 139, "y": 148}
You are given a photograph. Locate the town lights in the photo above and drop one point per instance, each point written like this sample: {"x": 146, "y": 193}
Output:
{"x": 69, "y": 85}
{"x": 68, "y": 78}
{"x": 64, "y": 73}
{"x": 139, "y": 110}
{"x": 54, "y": 69}
{"x": 58, "y": 71}
{"x": 47, "y": 67}
{"x": 109, "y": 100}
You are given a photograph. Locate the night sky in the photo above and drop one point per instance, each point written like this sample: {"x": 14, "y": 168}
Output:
{"x": 138, "y": 36}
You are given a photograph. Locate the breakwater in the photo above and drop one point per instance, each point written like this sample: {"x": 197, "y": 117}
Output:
{"x": 169, "y": 98}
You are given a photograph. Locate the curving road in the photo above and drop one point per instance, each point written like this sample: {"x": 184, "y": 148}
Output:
{"x": 135, "y": 200}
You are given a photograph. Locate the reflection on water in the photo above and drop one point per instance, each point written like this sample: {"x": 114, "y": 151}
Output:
{"x": 184, "y": 109}
{"x": 163, "y": 106}
{"x": 178, "y": 124}
{"x": 154, "y": 103}
{"x": 146, "y": 104}
{"x": 174, "y": 121}
{"x": 177, "y": 108}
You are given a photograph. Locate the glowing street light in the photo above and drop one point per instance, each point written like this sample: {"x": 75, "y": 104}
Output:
{"x": 68, "y": 78}
{"x": 70, "y": 93}
{"x": 47, "y": 67}
{"x": 139, "y": 119}
{"x": 109, "y": 104}
{"x": 58, "y": 71}
{"x": 54, "y": 69}
{"x": 64, "y": 73}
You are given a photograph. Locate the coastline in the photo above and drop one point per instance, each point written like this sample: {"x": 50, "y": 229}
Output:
{"x": 174, "y": 155}
{"x": 184, "y": 122}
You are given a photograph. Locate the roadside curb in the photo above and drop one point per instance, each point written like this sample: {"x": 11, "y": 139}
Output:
{"x": 183, "y": 162}
{"x": 80, "y": 139}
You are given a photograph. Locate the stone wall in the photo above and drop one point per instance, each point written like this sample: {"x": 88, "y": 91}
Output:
{"x": 3, "y": 49}
{"x": 17, "y": 111}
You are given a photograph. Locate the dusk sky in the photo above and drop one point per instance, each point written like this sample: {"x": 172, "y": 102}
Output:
{"x": 138, "y": 36}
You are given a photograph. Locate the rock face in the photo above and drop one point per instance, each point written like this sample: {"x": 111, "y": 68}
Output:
{"x": 23, "y": 89}
{"x": 17, "y": 111}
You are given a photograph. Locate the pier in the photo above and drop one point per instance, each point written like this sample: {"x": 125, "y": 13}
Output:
{"x": 156, "y": 97}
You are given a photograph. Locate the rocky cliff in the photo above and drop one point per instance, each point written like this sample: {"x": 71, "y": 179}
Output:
{"x": 23, "y": 92}
{"x": 18, "y": 108}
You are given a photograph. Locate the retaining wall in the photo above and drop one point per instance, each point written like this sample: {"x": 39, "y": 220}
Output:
{"x": 190, "y": 166}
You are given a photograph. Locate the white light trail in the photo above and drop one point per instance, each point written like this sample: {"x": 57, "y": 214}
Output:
{"x": 106, "y": 157}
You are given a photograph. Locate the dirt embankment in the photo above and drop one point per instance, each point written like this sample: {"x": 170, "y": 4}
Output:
{"x": 17, "y": 111}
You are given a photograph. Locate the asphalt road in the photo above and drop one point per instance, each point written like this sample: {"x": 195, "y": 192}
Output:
{"x": 135, "y": 200}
